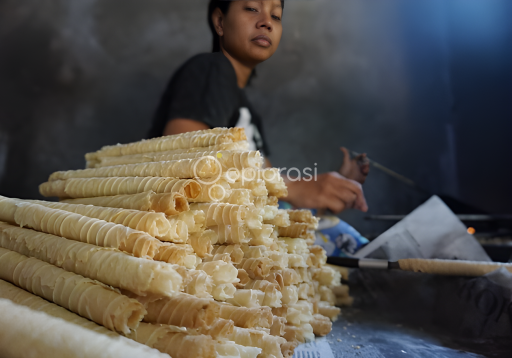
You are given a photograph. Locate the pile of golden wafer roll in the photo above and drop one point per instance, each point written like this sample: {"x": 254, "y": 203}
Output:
{"x": 168, "y": 246}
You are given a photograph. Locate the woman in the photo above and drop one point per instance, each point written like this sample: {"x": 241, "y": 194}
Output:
{"x": 207, "y": 91}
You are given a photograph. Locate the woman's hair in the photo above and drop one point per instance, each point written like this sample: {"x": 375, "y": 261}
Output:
{"x": 223, "y": 5}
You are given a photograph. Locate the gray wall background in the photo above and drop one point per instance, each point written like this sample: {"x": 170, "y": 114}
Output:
{"x": 424, "y": 87}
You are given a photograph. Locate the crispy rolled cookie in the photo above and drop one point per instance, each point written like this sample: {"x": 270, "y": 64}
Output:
{"x": 227, "y": 158}
{"x": 155, "y": 224}
{"x": 93, "y": 187}
{"x": 168, "y": 203}
{"x": 28, "y": 333}
{"x": 180, "y": 310}
{"x": 82, "y": 228}
{"x": 78, "y": 294}
{"x": 205, "y": 167}
{"x": 105, "y": 265}
{"x": 97, "y": 160}
{"x": 205, "y": 138}
{"x": 260, "y": 317}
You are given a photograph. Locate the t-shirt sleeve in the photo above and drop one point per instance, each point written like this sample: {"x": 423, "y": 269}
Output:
{"x": 203, "y": 89}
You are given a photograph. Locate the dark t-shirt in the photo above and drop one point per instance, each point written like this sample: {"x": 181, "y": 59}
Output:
{"x": 205, "y": 89}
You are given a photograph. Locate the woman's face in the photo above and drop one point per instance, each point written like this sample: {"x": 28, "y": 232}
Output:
{"x": 251, "y": 30}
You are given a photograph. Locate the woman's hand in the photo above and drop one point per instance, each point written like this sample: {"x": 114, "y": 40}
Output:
{"x": 330, "y": 190}
{"x": 357, "y": 168}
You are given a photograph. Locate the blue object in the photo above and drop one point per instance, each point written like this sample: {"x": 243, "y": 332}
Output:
{"x": 338, "y": 238}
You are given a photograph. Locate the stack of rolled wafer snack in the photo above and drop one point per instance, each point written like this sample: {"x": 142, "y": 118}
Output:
{"x": 173, "y": 245}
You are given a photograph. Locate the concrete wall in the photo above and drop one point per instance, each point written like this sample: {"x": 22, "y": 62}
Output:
{"x": 424, "y": 87}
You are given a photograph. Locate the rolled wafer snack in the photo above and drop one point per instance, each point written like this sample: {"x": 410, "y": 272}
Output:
{"x": 304, "y": 216}
{"x": 254, "y": 252}
{"x": 340, "y": 291}
{"x": 318, "y": 255}
{"x": 287, "y": 277}
{"x": 260, "y": 317}
{"x": 294, "y": 230}
{"x": 101, "y": 160}
{"x": 196, "y": 282}
{"x": 28, "y": 333}
{"x": 235, "y": 252}
{"x": 271, "y": 177}
{"x": 238, "y": 197}
{"x": 155, "y": 224}
{"x": 278, "y": 326}
{"x": 306, "y": 290}
{"x": 221, "y": 329}
{"x": 272, "y": 297}
{"x": 202, "y": 242}
{"x": 326, "y": 276}
{"x": 274, "y": 182}
{"x": 325, "y": 309}
{"x": 227, "y": 158}
{"x": 280, "y": 259}
{"x": 223, "y": 291}
{"x": 270, "y": 345}
{"x": 306, "y": 310}
{"x": 194, "y": 219}
{"x": 291, "y": 315}
{"x": 36, "y": 303}
{"x": 272, "y": 200}
{"x": 322, "y": 325}
{"x": 105, "y": 265}
{"x": 97, "y": 158}
{"x": 231, "y": 234}
{"x": 222, "y": 214}
{"x": 290, "y": 294}
{"x": 230, "y": 349}
{"x": 254, "y": 217}
{"x": 262, "y": 236}
{"x": 258, "y": 268}
{"x": 204, "y": 167}
{"x": 206, "y": 138}
{"x": 244, "y": 278}
{"x": 177, "y": 254}
{"x": 178, "y": 231}
{"x": 81, "y": 295}
{"x": 180, "y": 310}
{"x": 218, "y": 257}
{"x": 296, "y": 260}
{"x": 213, "y": 190}
{"x": 326, "y": 294}
{"x": 269, "y": 212}
{"x": 282, "y": 219}
{"x": 306, "y": 273}
{"x": 220, "y": 271}
{"x": 257, "y": 187}
{"x": 7, "y": 209}
{"x": 175, "y": 341}
{"x": 247, "y": 298}
{"x": 295, "y": 246}
{"x": 168, "y": 203}
{"x": 82, "y": 228}
{"x": 451, "y": 267}
{"x": 93, "y": 187}
{"x": 301, "y": 334}
{"x": 288, "y": 349}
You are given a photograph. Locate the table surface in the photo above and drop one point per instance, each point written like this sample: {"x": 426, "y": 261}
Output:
{"x": 361, "y": 334}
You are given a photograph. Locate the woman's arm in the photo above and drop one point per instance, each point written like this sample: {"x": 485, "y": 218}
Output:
{"x": 182, "y": 125}
{"x": 329, "y": 190}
